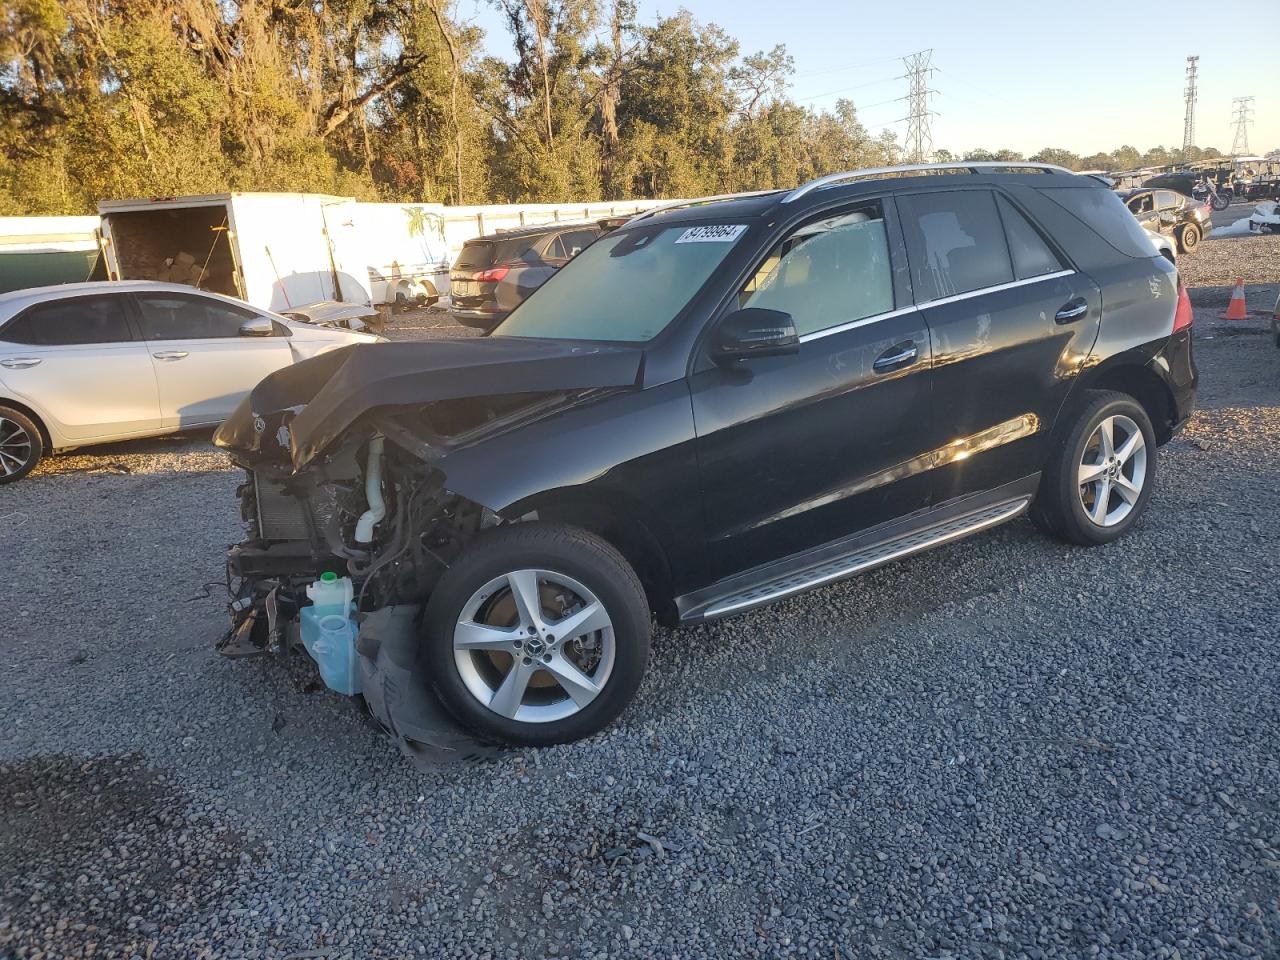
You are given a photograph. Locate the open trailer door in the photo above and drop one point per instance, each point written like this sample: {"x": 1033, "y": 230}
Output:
{"x": 187, "y": 240}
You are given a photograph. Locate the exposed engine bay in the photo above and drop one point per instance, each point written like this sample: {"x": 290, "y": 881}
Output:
{"x": 359, "y": 501}
{"x": 374, "y": 509}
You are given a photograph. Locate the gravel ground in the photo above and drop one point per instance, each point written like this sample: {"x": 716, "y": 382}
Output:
{"x": 1221, "y": 259}
{"x": 1006, "y": 747}
{"x": 426, "y": 324}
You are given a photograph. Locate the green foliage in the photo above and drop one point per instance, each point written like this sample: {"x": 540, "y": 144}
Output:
{"x": 394, "y": 100}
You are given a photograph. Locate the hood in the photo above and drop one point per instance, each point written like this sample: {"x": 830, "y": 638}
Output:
{"x": 328, "y": 393}
{"x": 330, "y": 311}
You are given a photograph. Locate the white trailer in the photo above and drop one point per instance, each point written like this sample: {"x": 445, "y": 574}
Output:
{"x": 404, "y": 249}
{"x": 283, "y": 250}
{"x": 274, "y": 250}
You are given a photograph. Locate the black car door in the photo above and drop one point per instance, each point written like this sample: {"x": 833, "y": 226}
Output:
{"x": 1012, "y": 325}
{"x": 795, "y": 451}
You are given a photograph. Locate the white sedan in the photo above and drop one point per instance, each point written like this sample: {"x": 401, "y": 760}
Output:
{"x": 87, "y": 363}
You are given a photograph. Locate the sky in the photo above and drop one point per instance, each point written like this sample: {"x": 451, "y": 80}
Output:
{"x": 1089, "y": 77}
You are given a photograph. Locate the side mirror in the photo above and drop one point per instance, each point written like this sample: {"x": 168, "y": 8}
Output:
{"x": 755, "y": 332}
{"x": 258, "y": 327}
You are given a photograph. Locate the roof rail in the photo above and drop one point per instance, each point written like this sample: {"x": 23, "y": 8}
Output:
{"x": 677, "y": 204}
{"x": 974, "y": 166}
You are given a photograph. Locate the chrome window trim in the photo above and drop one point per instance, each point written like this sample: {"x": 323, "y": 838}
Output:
{"x": 923, "y": 304}
{"x": 940, "y": 301}
{"x": 854, "y": 324}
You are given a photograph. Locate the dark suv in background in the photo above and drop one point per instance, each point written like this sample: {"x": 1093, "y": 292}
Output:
{"x": 718, "y": 405}
{"x": 494, "y": 274}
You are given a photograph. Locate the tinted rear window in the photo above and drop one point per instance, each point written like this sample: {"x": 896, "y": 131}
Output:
{"x": 1032, "y": 256}
{"x": 1106, "y": 214}
{"x": 955, "y": 241}
{"x": 66, "y": 322}
{"x": 479, "y": 254}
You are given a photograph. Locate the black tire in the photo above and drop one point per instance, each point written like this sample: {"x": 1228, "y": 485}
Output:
{"x": 1058, "y": 509}
{"x": 18, "y": 458}
{"x": 565, "y": 550}
{"x": 1188, "y": 238}
{"x": 1221, "y": 202}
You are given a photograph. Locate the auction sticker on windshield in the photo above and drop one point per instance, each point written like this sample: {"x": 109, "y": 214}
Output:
{"x": 716, "y": 233}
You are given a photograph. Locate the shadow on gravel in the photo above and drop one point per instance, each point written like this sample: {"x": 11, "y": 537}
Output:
{"x": 89, "y": 848}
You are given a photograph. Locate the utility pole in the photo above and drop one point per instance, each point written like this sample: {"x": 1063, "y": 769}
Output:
{"x": 1189, "y": 123}
{"x": 1241, "y": 107}
{"x": 919, "y": 137}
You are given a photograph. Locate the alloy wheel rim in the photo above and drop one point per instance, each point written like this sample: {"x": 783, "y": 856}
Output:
{"x": 1113, "y": 471}
{"x": 534, "y": 646}
{"x": 15, "y": 446}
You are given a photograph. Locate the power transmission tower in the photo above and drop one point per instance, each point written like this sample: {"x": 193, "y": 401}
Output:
{"x": 1189, "y": 124}
{"x": 1241, "y": 107}
{"x": 919, "y": 137}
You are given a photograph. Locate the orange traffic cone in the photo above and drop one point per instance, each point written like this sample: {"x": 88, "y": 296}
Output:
{"x": 1236, "y": 309}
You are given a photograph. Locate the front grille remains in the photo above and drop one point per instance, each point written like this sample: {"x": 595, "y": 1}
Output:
{"x": 280, "y": 515}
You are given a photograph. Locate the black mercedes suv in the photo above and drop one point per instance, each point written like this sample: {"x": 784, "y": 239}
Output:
{"x": 720, "y": 404}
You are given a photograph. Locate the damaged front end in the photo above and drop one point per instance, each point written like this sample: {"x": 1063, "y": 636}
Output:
{"x": 368, "y": 511}
{"x": 346, "y": 461}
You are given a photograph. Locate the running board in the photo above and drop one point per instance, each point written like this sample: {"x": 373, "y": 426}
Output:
{"x": 864, "y": 559}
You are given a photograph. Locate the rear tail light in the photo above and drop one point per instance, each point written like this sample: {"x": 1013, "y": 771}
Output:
{"x": 1183, "y": 315}
{"x": 493, "y": 274}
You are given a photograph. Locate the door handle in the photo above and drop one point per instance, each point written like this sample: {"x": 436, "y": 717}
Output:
{"x": 19, "y": 363}
{"x": 899, "y": 355}
{"x": 170, "y": 354}
{"x": 1072, "y": 310}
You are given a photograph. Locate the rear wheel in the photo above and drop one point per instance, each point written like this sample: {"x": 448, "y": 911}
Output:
{"x": 538, "y": 634}
{"x": 21, "y": 445}
{"x": 1101, "y": 474}
{"x": 1188, "y": 238}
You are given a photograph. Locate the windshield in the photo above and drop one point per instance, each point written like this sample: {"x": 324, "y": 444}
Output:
{"x": 627, "y": 286}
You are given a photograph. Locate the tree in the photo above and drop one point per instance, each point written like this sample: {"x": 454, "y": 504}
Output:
{"x": 760, "y": 81}
{"x": 1058, "y": 156}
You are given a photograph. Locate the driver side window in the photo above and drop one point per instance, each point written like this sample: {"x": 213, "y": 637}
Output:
{"x": 175, "y": 317}
{"x": 827, "y": 272}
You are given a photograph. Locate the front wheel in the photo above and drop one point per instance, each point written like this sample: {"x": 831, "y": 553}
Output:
{"x": 538, "y": 634}
{"x": 1221, "y": 202}
{"x": 1101, "y": 474}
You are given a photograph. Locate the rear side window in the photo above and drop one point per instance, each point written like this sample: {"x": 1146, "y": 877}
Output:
{"x": 1032, "y": 256}
{"x": 1106, "y": 215}
{"x": 1169, "y": 200}
{"x": 83, "y": 320}
{"x": 955, "y": 241}
{"x": 189, "y": 318}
